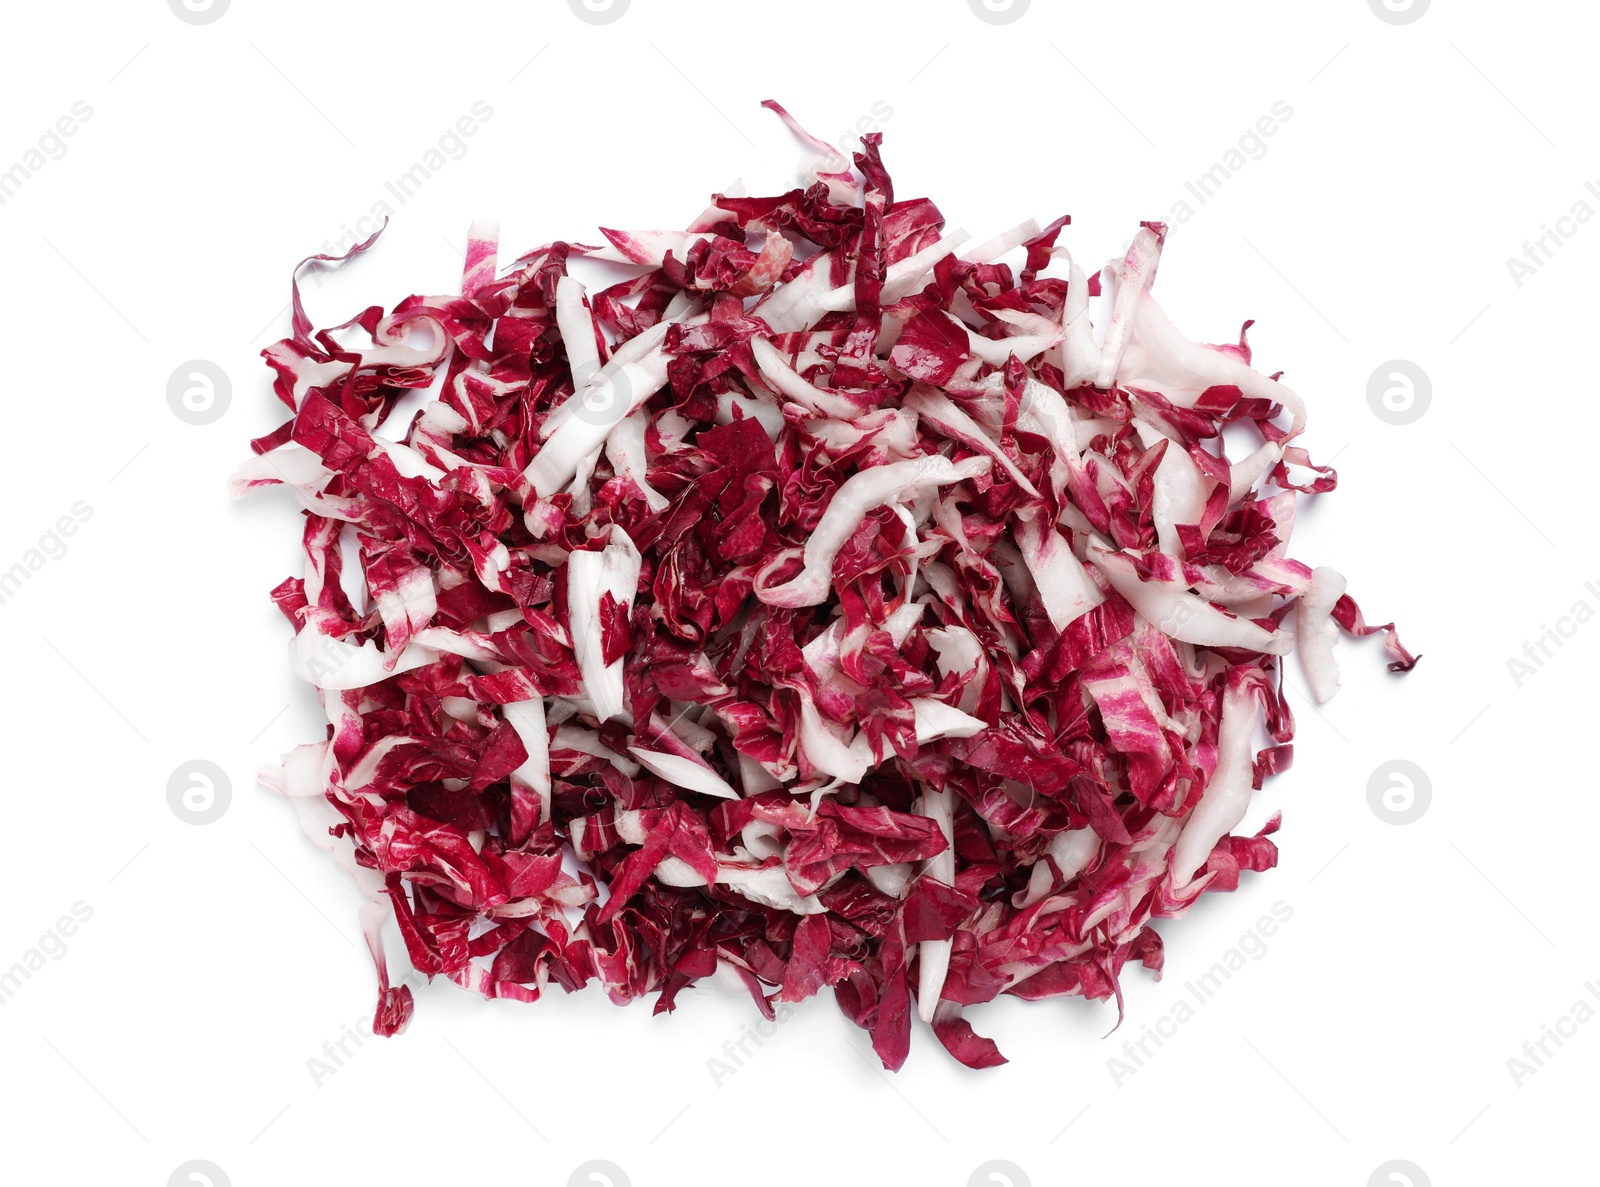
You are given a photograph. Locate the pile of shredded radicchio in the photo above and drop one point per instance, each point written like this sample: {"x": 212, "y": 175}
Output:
{"x": 829, "y": 604}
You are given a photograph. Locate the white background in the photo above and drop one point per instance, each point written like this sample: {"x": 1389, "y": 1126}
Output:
{"x": 218, "y": 960}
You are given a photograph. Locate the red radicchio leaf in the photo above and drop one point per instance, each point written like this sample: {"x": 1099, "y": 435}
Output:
{"x": 824, "y": 605}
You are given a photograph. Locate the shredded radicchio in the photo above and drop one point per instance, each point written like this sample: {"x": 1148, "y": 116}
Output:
{"x": 829, "y": 604}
